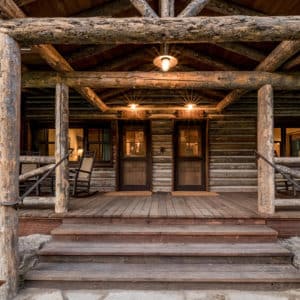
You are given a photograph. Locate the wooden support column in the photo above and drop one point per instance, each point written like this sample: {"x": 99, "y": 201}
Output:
{"x": 61, "y": 147}
{"x": 10, "y": 88}
{"x": 265, "y": 146}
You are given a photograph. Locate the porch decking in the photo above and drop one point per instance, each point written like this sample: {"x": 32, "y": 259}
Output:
{"x": 222, "y": 205}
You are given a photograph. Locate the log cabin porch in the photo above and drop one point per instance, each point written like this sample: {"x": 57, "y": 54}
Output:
{"x": 219, "y": 92}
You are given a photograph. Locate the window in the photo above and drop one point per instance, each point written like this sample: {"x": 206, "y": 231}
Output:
{"x": 189, "y": 141}
{"x": 97, "y": 140}
{"x": 287, "y": 141}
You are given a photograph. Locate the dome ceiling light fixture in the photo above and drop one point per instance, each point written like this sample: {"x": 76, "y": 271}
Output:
{"x": 165, "y": 61}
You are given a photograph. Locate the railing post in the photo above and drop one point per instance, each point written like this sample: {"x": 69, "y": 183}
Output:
{"x": 10, "y": 89}
{"x": 265, "y": 146}
{"x": 61, "y": 147}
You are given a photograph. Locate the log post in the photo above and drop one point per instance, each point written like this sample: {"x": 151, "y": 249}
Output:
{"x": 10, "y": 89}
{"x": 61, "y": 147}
{"x": 265, "y": 146}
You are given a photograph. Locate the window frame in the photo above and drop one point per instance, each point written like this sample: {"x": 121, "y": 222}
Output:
{"x": 35, "y": 126}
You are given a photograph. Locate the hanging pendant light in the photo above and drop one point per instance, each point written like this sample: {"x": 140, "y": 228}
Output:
{"x": 165, "y": 61}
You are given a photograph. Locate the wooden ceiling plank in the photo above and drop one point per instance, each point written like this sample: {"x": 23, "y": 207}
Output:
{"x": 242, "y": 50}
{"x": 217, "y": 64}
{"x": 144, "y": 8}
{"x": 193, "y": 8}
{"x": 226, "y": 8}
{"x": 272, "y": 62}
{"x": 53, "y": 58}
{"x": 165, "y": 30}
{"x": 21, "y": 3}
{"x": 170, "y": 80}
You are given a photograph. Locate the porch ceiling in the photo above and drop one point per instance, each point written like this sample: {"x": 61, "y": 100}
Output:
{"x": 192, "y": 57}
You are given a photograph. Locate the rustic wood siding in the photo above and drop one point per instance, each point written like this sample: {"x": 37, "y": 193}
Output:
{"x": 162, "y": 163}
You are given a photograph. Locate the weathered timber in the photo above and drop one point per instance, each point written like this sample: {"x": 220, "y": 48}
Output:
{"x": 173, "y": 80}
{"x": 37, "y": 171}
{"x": 265, "y": 146}
{"x": 10, "y": 101}
{"x": 39, "y": 201}
{"x": 144, "y": 8}
{"x": 193, "y": 8}
{"x": 273, "y": 61}
{"x": 165, "y": 30}
{"x": 61, "y": 147}
{"x": 289, "y": 171}
{"x": 37, "y": 159}
{"x": 287, "y": 160}
{"x": 165, "y": 8}
{"x": 52, "y": 56}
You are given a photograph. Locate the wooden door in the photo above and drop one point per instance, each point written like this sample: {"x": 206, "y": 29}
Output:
{"x": 135, "y": 167}
{"x": 189, "y": 157}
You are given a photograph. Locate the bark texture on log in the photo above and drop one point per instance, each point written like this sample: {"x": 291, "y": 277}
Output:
{"x": 10, "y": 89}
{"x": 52, "y": 57}
{"x": 172, "y": 80}
{"x": 61, "y": 147}
{"x": 265, "y": 146}
{"x": 167, "y": 30}
{"x": 37, "y": 159}
{"x": 37, "y": 171}
{"x": 273, "y": 61}
{"x": 193, "y": 8}
{"x": 287, "y": 160}
{"x": 144, "y": 8}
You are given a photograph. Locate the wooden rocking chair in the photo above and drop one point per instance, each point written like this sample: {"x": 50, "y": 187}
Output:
{"x": 82, "y": 177}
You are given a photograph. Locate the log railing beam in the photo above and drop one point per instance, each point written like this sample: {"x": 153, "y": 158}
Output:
{"x": 170, "y": 80}
{"x": 10, "y": 102}
{"x": 165, "y": 30}
{"x": 61, "y": 147}
{"x": 265, "y": 146}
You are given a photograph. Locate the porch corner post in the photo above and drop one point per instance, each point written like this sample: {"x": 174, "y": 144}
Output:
{"x": 10, "y": 102}
{"x": 62, "y": 188}
{"x": 265, "y": 146}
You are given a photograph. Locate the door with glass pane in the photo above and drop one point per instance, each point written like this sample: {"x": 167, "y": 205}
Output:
{"x": 134, "y": 157}
{"x": 189, "y": 157}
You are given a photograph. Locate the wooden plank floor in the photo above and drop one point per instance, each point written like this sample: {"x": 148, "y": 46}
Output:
{"x": 223, "y": 205}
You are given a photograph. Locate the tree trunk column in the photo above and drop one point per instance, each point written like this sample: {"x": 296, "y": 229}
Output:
{"x": 61, "y": 147}
{"x": 10, "y": 87}
{"x": 265, "y": 146}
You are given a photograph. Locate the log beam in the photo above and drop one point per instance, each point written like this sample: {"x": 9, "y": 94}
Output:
{"x": 37, "y": 159}
{"x": 193, "y": 8}
{"x": 144, "y": 8}
{"x": 171, "y": 80}
{"x": 273, "y": 61}
{"x": 36, "y": 172}
{"x": 265, "y": 146}
{"x": 10, "y": 102}
{"x": 52, "y": 56}
{"x": 166, "y": 30}
{"x": 61, "y": 147}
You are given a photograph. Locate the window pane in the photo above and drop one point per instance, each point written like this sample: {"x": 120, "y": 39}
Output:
{"x": 277, "y": 141}
{"x": 99, "y": 142}
{"x": 134, "y": 143}
{"x": 189, "y": 142}
{"x": 93, "y": 135}
{"x": 51, "y": 135}
{"x": 293, "y": 141}
{"x": 76, "y": 143}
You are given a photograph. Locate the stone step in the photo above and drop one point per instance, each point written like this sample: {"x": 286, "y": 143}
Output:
{"x": 165, "y": 233}
{"x": 108, "y": 252}
{"x": 166, "y": 276}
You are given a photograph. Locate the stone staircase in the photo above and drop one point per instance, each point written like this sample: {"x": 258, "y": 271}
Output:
{"x": 153, "y": 256}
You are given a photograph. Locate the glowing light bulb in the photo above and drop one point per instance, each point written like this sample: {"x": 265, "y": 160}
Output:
{"x": 133, "y": 106}
{"x": 190, "y": 106}
{"x": 165, "y": 64}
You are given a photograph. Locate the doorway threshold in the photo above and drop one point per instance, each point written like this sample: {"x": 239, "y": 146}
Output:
{"x": 194, "y": 193}
{"x": 128, "y": 193}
